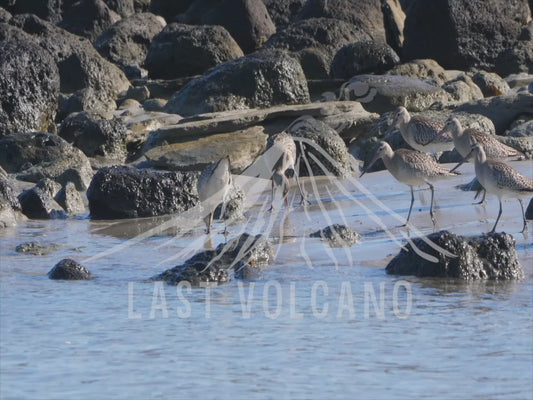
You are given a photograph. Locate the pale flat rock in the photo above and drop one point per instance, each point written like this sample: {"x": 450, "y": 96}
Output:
{"x": 242, "y": 146}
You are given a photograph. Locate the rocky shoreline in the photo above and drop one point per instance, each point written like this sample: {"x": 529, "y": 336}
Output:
{"x": 113, "y": 108}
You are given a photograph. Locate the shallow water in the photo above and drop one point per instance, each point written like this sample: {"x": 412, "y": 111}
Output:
{"x": 322, "y": 323}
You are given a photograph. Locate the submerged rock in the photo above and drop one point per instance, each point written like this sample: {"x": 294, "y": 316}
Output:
{"x": 69, "y": 270}
{"x": 490, "y": 256}
{"x": 36, "y": 249}
{"x": 127, "y": 192}
{"x": 247, "y": 254}
{"x": 338, "y": 235}
{"x": 529, "y": 210}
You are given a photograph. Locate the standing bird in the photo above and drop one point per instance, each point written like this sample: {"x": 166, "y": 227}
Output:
{"x": 500, "y": 179}
{"x": 464, "y": 138}
{"x": 213, "y": 188}
{"x": 284, "y": 149}
{"x": 413, "y": 168}
{"x": 421, "y": 133}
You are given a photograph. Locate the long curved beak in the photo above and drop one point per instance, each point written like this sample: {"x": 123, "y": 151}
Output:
{"x": 376, "y": 157}
{"x": 463, "y": 161}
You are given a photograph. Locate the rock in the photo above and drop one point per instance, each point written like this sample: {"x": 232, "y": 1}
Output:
{"x": 502, "y": 110}
{"x": 234, "y": 210}
{"x": 154, "y": 105}
{"x": 183, "y": 50}
{"x": 463, "y": 89}
{"x": 394, "y": 20}
{"x": 243, "y": 147}
{"x": 36, "y": 249}
{"x": 314, "y": 42}
{"x": 29, "y": 99}
{"x": 283, "y": 12}
{"x": 522, "y": 144}
{"x": 339, "y": 162}
{"x": 169, "y": 8}
{"x": 94, "y": 81}
{"x": 338, "y": 235}
{"x": 70, "y": 199}
{"x": 363, "y": 57}
{"x": 365, "y": 14}
{"x": 139, "y": 93}
{"x": 381, "y": 93}
{"x": 460, "y": 34}
{"x": 88, "y": 18}
{"x": 9, "y": 203}
{"x": 95, "y": 136}
{"x": 49, "y": 10}
{"x": 515, "y": 59}
{"x": 516, "y": 81}
{"x": 262, "y": 79}
{"x": 38, "y": 202}
{"x": 126, "y": 192}
{"x": 522, "y": 130}
{"x": 38, "y": 155}
{"x": 428, "y": 70}
{"x": 248, "y": 254}
{"x": 491, "y": 84}
{"x": 141, "y": 6}
{"x": 5, "y": 16}
{"x": 124, "y": 8}
{"x": 529, "y": 210}
{"x": 491, "y": 256}
{"x": 247, "y": 21}
{"x": 126, "y": 42}
{"x": 69, "y": 270}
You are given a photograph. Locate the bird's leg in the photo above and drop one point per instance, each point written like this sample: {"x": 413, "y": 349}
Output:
{"x": 209, "y": 222}
{"x": 304, "y": 200}
{"x": 498, "y": 218}
{"x": 410, "y": 207}
{"x": 483, "y": 199}
{"x": 524, "y": 228}
{"x": 272, "y": 202}
{"x": 431, "y": 205}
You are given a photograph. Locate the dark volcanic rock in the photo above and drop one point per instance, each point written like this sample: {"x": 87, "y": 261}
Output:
{"x": 247, "y": 254}
{"x": 184, "y": 50}
{"x": 50, "y": 10}
{"x": 126, "y": 42}
{"x": 126, "y": 192}
{"x": 460, "y": 34}
{"x": 516, "y": 59}
{"x": 247, "y": 21}
{"x": 327, "y": 140}
{"x": 70, "y": 270}
{"x": 124, "y": 8}
{"x": 315, "y": 41}
{"x": 88, "y": 18}
{"x": 29, "y": 84}
{"x": 529, "y": 210}
{"x": 94, "y": 81}
{"x": 38, "y": 203}
{"x": 5, "y": 16}
{"x": 168, "y": 9}
{"x": 283, "y": 12}
{"x": 259, "y": 80}
{"x": 70, "y": 199}
{"x": 234, "y": 210}
{"x": 42, "y": 155}
{"x": 36, "y": 249}
{"x": 9, "y": 203}
{"x": 491, "y": 84}
{"x": 365, "y": 14}
{"x": 491, "y": 256}
{"x": 95, "y": 136}
{"x": 338, "y": 235}
{"x": 363, "y": 57}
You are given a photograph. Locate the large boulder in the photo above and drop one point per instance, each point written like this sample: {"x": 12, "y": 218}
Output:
{"x": 460, "y": 34}
{"x": 94, "y": 81}
{"x": 491, "y": 256}
{"x": 283, "y": 12}
{"x": 365, "y": 14}
{"x": 428, "y": 70}
{"x": 37, "y": 155}
{"x": 259, "y": 80}
{"x": 361, "y": 58}
{"x": 124, "y": 8}
{"x": 88, "y": 18}
{"x": 323, "y": 138}
{"x": 168, "y": 9}
{"x": 126, "y": 42}
{"x": 95, "y": 136}
{"x": 381, "y": 93}
{"x": 29, "y": 84}
{"x": 38, "y": 202}
{"x": 9, "y": 202}
{"x": 50, "y": 10}
{"x": 127, "y": 192}
{"x": 247, "y": 21}
{"x": 185, "y": 50}
{"x": 394, "y": 20}
{"x": 491, "y": 84}
{"x": 70, "y": 270}
{"x": 314, "y": 42}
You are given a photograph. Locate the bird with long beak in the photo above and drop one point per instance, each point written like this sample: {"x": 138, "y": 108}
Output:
{"x": 500, "y": 179}
{"x": 413, "y": 168}
{"x": 213, "y": 187}
{"x": 463, "y": 139}
{"x": 421, "y": 133}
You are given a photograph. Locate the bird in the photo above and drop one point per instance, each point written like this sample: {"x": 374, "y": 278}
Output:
{"x": 283, "y": 165}
{"x": 500, "y": 179}
{"x": 414, "y": 168}
{"x": 213, "y": 187}
{"x": 464, "y": 138}
{"x": 421, "y": 133}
